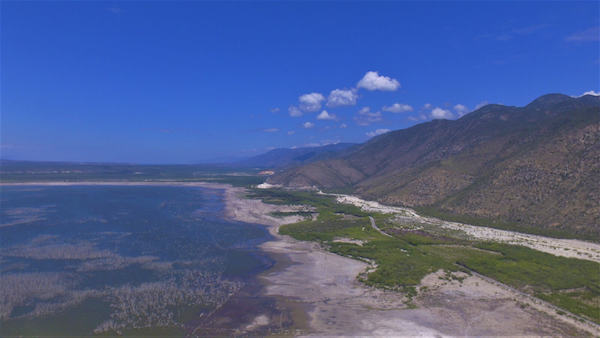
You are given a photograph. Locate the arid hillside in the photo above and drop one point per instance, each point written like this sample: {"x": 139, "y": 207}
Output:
{"x": 535, "y": 167}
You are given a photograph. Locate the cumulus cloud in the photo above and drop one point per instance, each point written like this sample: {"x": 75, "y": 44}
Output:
{"x": 275, "y": 110}
{"x": 308, "y": 125}
{"x": 397, "y": 108}
{"x": 311, "y": 102}
{"x": 427, "y": 106}
{"x": 342, "y": 97}
{"x": 324, "y": 115}
{"x": 294, "y": 111}
{"x": 343, "y": 125}
{"x": 439, "y": 113}
{"x": 590, "y": 34}
{"x": 590, "y": 92}
{"x": 377, "y": 132}
{"x": 374, "y": 81}
{"x": 271, "y": 130}
{"x": 365, "y": 116}
{"x": 461, "y": 109}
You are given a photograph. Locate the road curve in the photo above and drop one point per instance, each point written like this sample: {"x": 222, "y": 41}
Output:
{"x": 376, "y": 228}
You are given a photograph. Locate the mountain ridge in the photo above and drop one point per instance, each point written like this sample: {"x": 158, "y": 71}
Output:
{"x": 511, "y": 164}
{"x": 285, "y": 157}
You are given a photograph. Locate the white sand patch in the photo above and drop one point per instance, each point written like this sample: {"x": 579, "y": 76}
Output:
{"x": 259, "y": 321}
{"x": 268, "y": 186}
{"x": 348, "y": 240}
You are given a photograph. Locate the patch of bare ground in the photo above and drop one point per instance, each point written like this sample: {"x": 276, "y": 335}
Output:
{"x": 338, "y": 304}
{"x": 348, "y": 240}
{"x": 483, "y": 305}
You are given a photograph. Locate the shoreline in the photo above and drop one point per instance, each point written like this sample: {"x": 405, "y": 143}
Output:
{"x": 209, "y": 185}
{"x": 320, "y": 291}
{"x": 339, "y": 304}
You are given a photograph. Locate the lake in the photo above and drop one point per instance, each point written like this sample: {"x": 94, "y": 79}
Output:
{"x": 81, "y": 260}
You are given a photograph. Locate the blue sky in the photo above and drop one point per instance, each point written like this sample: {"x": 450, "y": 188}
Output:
{"x": 184, "y": 82}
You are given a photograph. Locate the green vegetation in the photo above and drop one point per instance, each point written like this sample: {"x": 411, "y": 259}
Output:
{"x": 291, "y": 213}
{"x": 569, "y": 283}
{"x": 409, "y": 255}
{"x": 322, "y": 203}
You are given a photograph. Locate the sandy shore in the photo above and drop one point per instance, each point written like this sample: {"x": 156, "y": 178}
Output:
{"x": 340, "y": 305}
{"x": 324, "y": 287}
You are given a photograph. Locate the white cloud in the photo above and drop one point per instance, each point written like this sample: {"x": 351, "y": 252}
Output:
{"x": 308, "y": 125}
{"x": 271, "y": 130}
{"x": 320, "y": 144}
{"x": 342, "y": 97}
{"x": 311, "y": 102}
{"x": 343, "y": 125}
{"x": 326, "y": 116}
{"x": 374, "y": 81}
{"x": 397, "y": 108}
{"x": 291, "y": 132}
{"x": 366, "y": 117}
{"x": 439, "y": 113}
{"x": 427, "y": 106}
{"x": 294, "y": 111}
{"x": 461, "y": 109}
{"x": 377, "y": 132}
{"x": 275, "y": 110}
{"x": 590, "y": 92}
{"x": 590, "y": 34}
{"x": 481, "y": 104}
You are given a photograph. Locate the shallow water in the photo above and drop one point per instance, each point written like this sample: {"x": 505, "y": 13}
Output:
{"x": 115, "y": 258}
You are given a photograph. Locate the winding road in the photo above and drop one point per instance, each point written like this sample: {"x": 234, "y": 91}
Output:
{"x": 376, "y": 228}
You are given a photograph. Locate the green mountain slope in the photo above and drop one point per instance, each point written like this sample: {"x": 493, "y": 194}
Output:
{"x": 535, "y": 167}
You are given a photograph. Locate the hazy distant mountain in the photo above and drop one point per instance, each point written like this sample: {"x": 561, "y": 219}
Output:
{"x": 536, "y": 165}
{"x": 286, "y": 157}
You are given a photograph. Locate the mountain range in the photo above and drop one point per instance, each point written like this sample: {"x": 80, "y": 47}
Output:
{"x": 535, "y": 167}
{"x": 287, "y": 157}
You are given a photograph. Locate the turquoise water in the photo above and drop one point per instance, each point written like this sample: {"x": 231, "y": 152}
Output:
{"x": 81, "y": 260}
